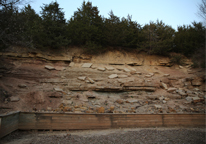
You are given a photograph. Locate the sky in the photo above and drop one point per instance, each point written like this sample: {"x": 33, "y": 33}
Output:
{"x": 172, "y": 12}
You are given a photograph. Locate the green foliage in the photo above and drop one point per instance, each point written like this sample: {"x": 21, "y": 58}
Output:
{"x": 93, "y": 48}
{"x": 188, "y": 39}
{"x": 198, "y": 58}
{"x": 89, "y": 30}
{"x": 86, "y": 25}
{"x": 122, "y": 32}
{"x": 53, "y": 32}
{"x": 31, "y": 26}
{"x": 12, "y": 26}
{"x": 157, "y": 38}
{"x": 177, "y": 59}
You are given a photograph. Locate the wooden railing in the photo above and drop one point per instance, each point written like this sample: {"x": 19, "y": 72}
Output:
{"x": 68, "y": 121}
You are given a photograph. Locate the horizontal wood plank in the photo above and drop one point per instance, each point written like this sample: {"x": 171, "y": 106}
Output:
{"x": 68, "y": 121}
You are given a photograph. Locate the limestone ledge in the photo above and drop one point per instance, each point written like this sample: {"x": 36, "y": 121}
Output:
{"x": 38, "y": 55}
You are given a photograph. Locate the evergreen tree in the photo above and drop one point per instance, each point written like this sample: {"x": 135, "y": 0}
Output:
{"x": 31, "y": 26}
{"x": 157, "y": 38}
{"x": 112, "y": 30}
{"x": 53, "y": 32}
{"x": 86, "y": 25}
{"x": 188, "y": 39}
{"x": 11, "y": 24}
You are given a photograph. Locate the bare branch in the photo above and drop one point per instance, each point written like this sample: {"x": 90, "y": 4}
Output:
{"x": 202, "y": 10}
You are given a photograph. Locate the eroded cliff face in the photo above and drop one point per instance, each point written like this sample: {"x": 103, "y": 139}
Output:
{"x": 114, "y": 82}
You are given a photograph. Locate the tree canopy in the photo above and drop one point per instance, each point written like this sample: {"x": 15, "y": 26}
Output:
{"x": 91, "y": 31}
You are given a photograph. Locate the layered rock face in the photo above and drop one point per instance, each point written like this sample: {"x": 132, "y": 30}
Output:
{"x": 100, "y": 84}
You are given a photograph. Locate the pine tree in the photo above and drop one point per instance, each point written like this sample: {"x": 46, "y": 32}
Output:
{"x": 53, "y": 32}
{"x": 157, "y": 38}
{"x": 86, "y": 25}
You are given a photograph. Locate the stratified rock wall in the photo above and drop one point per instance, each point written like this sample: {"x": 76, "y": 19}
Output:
{"x": 114, "y": 82}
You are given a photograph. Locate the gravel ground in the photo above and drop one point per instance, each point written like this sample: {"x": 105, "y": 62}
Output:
{"x": 112, "y": 136}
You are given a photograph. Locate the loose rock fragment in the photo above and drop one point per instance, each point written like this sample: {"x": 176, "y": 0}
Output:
{"x": 113, "y": 76}
{"x": 152, "y": 74}
{"x": 126, "y": 70}
{"x": 22, "y": 85}
{"x": 189, "y": 99}
{"x": 90, "y": 80}
{"x": 55, "y": 94}
{"x": 58, "y": 89}
{"x": 132, "y": 69}
{"x": 109, "y": 68}
{"x": 49, "y": 67}
{"x": 196, "y": 99}
{"x": 112, "y": 108}
{"x": 158, "y": 106}
{"x": 101, "y": 69}
{"x": 171, "y": 89}
{"x": 71, "y": 64}
{"x": 120, "y": 101}
{"x": 139, "y": 73}
{"x": 81, "y": 78}
{"x": 131, "y": 101}
{"x": 197, "y": 82}
{"x": 148, "y": 76}
{"x": 166, "y": 75}
{"x": 87, "y": 65}
{"x": 59, "y": 68}
{"x": 49, "y": 108}
{"x": 182, "y": 93}
{"x": 100, "y": 110}
{"x": 14, "y": 99}
{"x": 164, "y": 85}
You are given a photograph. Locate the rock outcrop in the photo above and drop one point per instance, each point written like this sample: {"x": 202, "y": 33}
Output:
{"x": 90, "y": 84}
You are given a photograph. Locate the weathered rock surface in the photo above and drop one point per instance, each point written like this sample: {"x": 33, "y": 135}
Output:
{"x": 166, "y": 75}
{"x": 71, "y": 64}
{"x": 54, "y": 94}
{"x": 113, "y": 76}
{"x": 117, "y": 88}
{"x": 120, "y": 101}
{"x": 122, "y": 76}
{"x": 148, "y": 76}
{"x": 58, "y": 89}
{"x": 49, "y": 67}
{"x": 101, "y": 69}
{"x": 197, "y": 82}
{"x": 171, "y": 89}
{"x": 109, "y": 68}
{"x": 22, "y": 85}
{"x": 81, "y": 78}
{"x": 126, "y": 70}
{"x": 164, "y": 86}
{"x": 90, "y": 80}
{"x": 87, "y": 65}
{"x": 100, "y": 110}
{"x": 14, "y": 99}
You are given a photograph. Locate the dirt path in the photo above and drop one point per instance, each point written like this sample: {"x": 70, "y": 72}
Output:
{"x": 124, "y": 136}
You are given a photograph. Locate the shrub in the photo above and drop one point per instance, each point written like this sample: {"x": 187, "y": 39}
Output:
{"x": 177, "y": 59}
